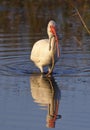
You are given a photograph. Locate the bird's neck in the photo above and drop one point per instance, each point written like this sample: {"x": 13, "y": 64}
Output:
{"x": 51, "y": 43}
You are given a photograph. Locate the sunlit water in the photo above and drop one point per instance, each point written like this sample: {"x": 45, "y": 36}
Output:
{"x": 27, "y": 99}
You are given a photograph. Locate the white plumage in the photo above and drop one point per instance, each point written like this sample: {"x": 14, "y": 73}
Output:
{"x": 45, "y": 52}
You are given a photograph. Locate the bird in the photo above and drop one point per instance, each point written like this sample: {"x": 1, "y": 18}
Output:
{"x": 46, "y": 52}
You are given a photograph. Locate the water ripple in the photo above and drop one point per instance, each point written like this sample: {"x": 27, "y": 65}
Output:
{"x": 14, "y": 59}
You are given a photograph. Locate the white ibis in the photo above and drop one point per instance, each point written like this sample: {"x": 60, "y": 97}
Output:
{"x": 46, "y": 52}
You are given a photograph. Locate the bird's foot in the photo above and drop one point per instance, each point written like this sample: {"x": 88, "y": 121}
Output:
{"x": 48, "y": 74}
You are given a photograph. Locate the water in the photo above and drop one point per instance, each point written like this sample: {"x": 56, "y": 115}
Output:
{"x": 27, "y": 99}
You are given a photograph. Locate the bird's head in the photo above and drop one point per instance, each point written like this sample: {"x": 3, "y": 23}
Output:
{"x": 51, "y": 30}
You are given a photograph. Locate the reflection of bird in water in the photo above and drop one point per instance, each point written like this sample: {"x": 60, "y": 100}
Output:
{"x": 46, "y": 52}
{"x": 46, "y": 92}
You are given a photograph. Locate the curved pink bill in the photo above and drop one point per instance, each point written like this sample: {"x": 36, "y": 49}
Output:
{"x": 53, "y": 30}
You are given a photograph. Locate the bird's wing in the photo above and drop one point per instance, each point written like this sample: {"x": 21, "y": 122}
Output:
{"x": 35, "y": 53}
{"x": 39, "y": 50}
{"x": 35, "y": 59}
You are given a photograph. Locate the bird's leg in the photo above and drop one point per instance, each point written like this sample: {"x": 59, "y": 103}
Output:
{"x": 51, "y": 67}
{"x": 41, "y": 69}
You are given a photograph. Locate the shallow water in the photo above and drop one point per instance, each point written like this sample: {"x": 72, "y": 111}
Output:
{"x": 27, "y": 99}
